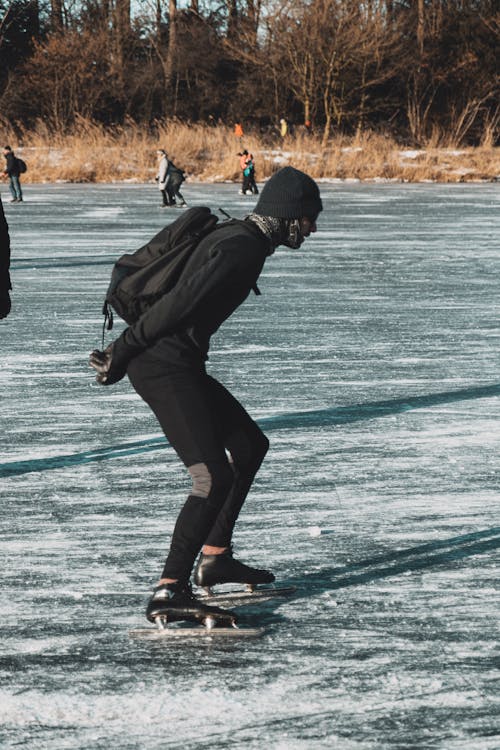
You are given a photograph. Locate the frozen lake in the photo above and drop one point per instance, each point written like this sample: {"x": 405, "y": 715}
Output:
{"x": 371, "y": 360}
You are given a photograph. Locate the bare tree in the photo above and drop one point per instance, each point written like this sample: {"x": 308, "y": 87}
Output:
{"x": 333, "y": 50}
{"x": 420, "y": 25}
{"x": 67, "y": 76}
{"x": 292, "y": 55}
{"x": 120, "y": 38}
{"x": 429, "y": 65}
{"x": 56, "y": 15}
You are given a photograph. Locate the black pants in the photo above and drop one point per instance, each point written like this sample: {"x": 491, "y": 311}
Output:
{"x": 202, "y": 421}
{"x": 166, "y": 199}
{"x": 249, "y": 183}
{"x": 173, "y": 190}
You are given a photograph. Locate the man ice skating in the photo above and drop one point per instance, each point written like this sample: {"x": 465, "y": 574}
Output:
{"x": 164, "y": 355}
{"x": 170, "y": 179}
{"x": 176, "y": 177}
{"x": 13, "y": 172}
{"x": 162, "y": 178}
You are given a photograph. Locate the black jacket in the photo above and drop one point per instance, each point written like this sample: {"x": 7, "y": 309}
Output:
{"x": 218, "y": 277}
{"x": 175, "y": 174}
{"x": 4, "y": 253}
{"x": 12, "y": 165}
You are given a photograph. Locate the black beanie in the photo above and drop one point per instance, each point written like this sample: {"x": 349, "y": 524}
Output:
{"x": 289, "y": 194}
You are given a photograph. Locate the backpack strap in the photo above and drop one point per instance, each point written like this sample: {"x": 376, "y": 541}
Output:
{"x": 256, "y": 231}
{"x": 108, "y": 320}
{"x": 255, "y": 288}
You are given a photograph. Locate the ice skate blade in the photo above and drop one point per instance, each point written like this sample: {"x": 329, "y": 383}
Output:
{"x": 196, "y": 632}
{"x": 240, "y": 598}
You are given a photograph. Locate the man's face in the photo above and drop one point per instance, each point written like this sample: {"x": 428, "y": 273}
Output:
{"x": 307, "y": 226}
{"x": 298, "y": 230}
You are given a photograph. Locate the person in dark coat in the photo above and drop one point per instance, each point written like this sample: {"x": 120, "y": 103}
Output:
{"x": 164, "y": 354}
{"x": 5, "y": 285}
{"x": 175, "y": 179}
{"x": 12, "y": 172}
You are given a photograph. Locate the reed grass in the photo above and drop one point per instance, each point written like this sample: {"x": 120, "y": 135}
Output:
{"x": 93, "y": 153}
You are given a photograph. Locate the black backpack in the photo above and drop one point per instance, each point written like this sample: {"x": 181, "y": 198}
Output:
{"x": 21, "y": 165}
{"x": 139, "y": 279}
{"x": 175, "y": 171}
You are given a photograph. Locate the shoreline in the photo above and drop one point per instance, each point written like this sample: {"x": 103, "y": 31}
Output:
{"x": 212, "y": 157}
{"x": 194, "y": 180}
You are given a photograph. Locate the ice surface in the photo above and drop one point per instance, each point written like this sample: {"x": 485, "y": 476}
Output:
{"x": 371, "y": 361}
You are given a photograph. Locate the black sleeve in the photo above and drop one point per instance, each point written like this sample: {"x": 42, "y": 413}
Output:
{"x": 10, "y": 164}
{"x": 225, "y": 265}
{"x": 4, "y": 253}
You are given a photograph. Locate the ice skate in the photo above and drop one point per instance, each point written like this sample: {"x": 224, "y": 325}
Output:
{"x": 223, "y": 568}
{"x": 175, "y": 602}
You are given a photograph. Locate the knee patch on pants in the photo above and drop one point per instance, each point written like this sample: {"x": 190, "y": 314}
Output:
{"x": 216, "y": 478}
{"x": 202, "y": 480}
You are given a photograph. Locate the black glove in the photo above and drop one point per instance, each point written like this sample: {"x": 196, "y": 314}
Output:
{"x": 4, "y": 304}
{"x": 108, "y": 366}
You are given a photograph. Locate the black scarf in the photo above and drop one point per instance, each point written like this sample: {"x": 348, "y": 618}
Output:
{"x": 277, "y": 231}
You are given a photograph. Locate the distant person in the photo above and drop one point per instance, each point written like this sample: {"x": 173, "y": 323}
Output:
{"x": 5, "y": 285}
{"x": 176, "y": 177}
{"x": 244, "y": 155}
{"x": 252, "y": 185}
{"x": 164, "y": 355}
{"x": 13, "y": 172}
{"x": 247, "y": 166}
{"x": 249, "y": 174}
{"x": 238, "y": 130}
{"x": 283, "y": 128}
{"x": 162, "y": 177}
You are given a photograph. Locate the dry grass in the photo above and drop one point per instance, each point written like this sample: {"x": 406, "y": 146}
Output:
{"x": 92, "y": 153}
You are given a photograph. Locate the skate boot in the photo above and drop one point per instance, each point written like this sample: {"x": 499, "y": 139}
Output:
{"x": 172, "y": 602}
{"x": 212, "y": 569}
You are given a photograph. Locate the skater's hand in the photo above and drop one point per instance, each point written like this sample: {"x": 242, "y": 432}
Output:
{"x": 108, "y": 370}
{"x": 4, "y": 304}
